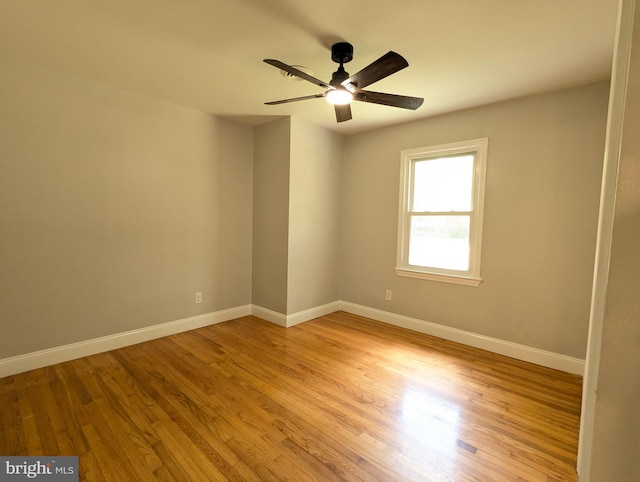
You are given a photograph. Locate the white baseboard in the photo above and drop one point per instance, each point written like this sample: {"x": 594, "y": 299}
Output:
{"x": 295, "y": 318}
{"x": 269, "y": 315}
{"x": 39, "y": 359}
{"x": 311, "y": 313}
{"x": 514, "y": 350}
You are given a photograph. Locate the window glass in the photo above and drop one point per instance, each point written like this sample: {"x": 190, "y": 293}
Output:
{"x": 443, "y": 184}
{"x": 440, "y": 242}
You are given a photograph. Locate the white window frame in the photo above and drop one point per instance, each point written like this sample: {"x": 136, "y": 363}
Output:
{"x": 471, "y": 277}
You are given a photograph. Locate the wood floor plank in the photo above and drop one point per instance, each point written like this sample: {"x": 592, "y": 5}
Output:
{"x": 341, "y": 397}
{"x": 11, "y": 432}
{"x": 195, "y": 423}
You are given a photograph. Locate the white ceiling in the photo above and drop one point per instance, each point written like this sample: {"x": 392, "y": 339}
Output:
{"x": 207, "y": 54}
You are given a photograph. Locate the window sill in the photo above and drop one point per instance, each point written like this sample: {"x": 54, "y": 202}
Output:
{"x": 443, "y": 278}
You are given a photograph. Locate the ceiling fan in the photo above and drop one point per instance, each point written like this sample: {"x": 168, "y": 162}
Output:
{"x": 344, "y": 88}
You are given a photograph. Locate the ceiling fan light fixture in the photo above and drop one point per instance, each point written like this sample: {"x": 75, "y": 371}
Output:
{"x": 339, "y": 96}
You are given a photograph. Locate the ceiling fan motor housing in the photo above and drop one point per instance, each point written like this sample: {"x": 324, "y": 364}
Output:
{"x": 338, "y": 77}
{"x": 342, "y": 52}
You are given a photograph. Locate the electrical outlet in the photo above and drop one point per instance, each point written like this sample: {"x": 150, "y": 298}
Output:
{"x": 388, "y": 295}
{"x": 198, "y": 297}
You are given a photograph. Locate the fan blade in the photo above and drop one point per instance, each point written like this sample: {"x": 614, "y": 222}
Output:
{"x": 297, "y": 73}
{"x": 343, "y": 112}
{"x": 295, "y": 99}
{"x": 402, "y": 101}
{"x": 386, "y": 65}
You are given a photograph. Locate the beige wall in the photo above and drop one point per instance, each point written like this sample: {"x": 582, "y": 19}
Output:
{"x": 314, "y": 217}
{"x": 296, "y": 216}
{"x": 616, "y": 434}
{"x": 114, "y": 210}
{"x": 271, "y": 160}
{"x": 541, "y": 206}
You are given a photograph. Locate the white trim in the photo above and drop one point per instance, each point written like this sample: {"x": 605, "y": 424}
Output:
{"x": 294, "y": 318}
{"x": 60, "y": 354}
{"x": 444, "y": 278}
{"x": 408, "y": 158}
{"x": 269, "y": 315}
{"x": 613, "y": 139}
{"x": 311, "y": 313}
{"x": 495, "y": 345}
{"x": 39, "y": 359}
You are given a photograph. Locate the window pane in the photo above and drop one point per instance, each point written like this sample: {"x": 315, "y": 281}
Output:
{"x": 443, "y": 184}
{"x": 440, "y": 242}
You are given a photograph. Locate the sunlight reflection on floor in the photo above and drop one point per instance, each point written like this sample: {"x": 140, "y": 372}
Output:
{"x": 431, "y": 425}
{"x": 430, "y": 420}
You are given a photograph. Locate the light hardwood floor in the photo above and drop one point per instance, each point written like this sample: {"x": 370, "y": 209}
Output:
{"x": 337, "y": 398}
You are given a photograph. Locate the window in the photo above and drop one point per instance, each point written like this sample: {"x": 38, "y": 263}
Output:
{"x": 440, "y": 218}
